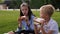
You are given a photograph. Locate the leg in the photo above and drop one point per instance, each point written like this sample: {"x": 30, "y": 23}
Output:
{"x": 11, "y": 32}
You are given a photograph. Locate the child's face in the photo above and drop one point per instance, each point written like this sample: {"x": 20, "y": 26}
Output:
{"x": 24, "y": 10}
{"x": 43, "y": 15}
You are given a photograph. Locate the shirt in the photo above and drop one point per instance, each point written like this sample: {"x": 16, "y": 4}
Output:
{"x": 52, "y": 25}
{"x": 24, "y": 25}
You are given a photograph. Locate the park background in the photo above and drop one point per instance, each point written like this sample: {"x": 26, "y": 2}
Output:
{"x": 9, "y": 12}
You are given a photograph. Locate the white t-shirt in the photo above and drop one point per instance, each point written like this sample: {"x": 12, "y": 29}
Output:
{"x": 52, "y": 25}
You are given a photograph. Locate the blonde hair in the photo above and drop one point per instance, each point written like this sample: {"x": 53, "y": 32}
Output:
{"x": 47, "y": 9}
{"x": 24, "y": 4}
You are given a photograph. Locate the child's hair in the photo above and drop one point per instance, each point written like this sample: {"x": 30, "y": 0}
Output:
{"x": 24, "y": 4}
{"x": 47, "y": 9}
{"x": 29, "y": 10}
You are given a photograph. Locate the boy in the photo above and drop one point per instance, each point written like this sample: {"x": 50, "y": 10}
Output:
{"x": 48, "y": 25}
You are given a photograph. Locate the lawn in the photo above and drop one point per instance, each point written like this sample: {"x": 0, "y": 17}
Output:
{"x": 8, "y": 20}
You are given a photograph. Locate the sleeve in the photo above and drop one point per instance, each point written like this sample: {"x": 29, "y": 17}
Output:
{"x": 18, "y": 30}
{"x": 33, "y": 17}
{"x": 54, "y": 27}
{"x": 32, "y": 23}
{"x": 32, "y": 26}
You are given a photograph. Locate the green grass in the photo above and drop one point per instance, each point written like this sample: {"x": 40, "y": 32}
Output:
{"x": 8, "y": 20}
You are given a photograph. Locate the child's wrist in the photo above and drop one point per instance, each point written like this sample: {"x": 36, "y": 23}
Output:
{"x": 20, "y": 27}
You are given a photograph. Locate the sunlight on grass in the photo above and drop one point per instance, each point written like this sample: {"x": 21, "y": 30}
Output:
{"x": 8, "y": 20}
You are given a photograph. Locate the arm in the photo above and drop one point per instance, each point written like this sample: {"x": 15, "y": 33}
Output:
{"x": 35, "y": 29}
{"x": 53, "y": 29}
{"x": 43, "y": 31}
{"x": 19, "y": 22}
{"x": 27, "y": 21}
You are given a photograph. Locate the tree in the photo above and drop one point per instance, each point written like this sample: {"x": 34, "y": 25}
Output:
{"x": 1, "y": 1}
{"x": 14, "y": 3}
{"x": 35, "y": 3}
{"x": 55, "y": 3}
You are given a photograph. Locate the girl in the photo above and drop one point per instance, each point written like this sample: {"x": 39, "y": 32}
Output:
{"x": 25, "y": 19}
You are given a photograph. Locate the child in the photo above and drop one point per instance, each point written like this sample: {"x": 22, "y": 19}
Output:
{"x": 25, "y": 20}
{"x": 48, "y": 25}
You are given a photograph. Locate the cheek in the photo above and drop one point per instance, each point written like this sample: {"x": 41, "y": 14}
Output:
{"x": 23, "y": 12}
{"x": 42, "y": 16}
{"x": 26, "y": 12}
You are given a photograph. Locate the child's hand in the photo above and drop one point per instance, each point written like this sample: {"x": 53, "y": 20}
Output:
{"x": 42, "y": 22}
{"x": 26, "y": 19}
{"x": 39, "y": 20}
{"x": 22, "y": 18}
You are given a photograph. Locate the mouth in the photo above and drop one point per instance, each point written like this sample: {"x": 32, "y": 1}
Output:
{"x": 25, "y": 14}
